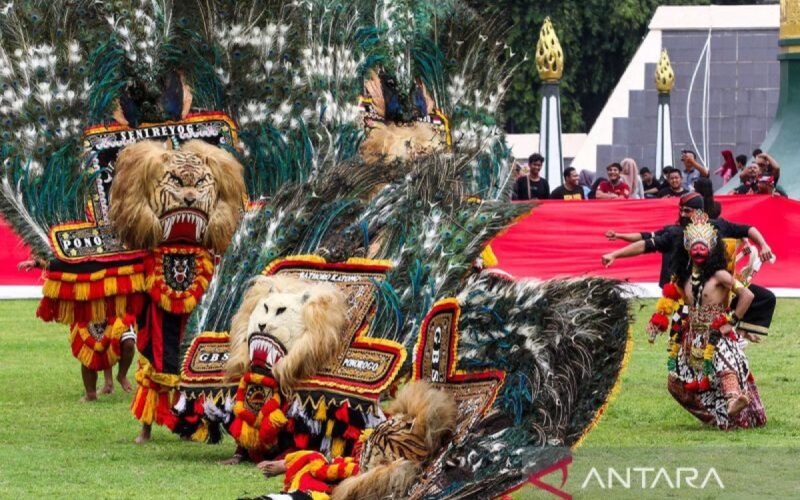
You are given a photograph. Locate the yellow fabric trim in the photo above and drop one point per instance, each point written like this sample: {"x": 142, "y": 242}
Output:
{"x": 322, "y": 411}
{"x": 488, "y": 256}
{"x": 337, "y": 447}
{"x": 148, "y": 372}
{"x": 307, "y": 258}
{"x": 329, "y": 429}
{"x": 369, "y": 262}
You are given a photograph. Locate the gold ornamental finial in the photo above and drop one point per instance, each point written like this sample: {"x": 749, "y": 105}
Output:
{"x": 549, "y": 56}
{"x": 790, "y": 19}
{"x": 665, "y": 77}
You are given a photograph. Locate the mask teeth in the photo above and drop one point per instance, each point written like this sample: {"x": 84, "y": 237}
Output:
{"x": 168, "y": 227}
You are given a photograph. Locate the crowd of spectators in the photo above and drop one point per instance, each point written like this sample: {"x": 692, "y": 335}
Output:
{"x": 625, "y": 180}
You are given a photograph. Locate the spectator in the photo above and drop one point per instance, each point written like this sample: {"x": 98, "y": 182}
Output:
{"x": 741, "y": 162}
{"x": 756, "y": 152}
{"x": 571, "y": 189}
{"x": 586, "y": 182}
{"x": 766, "y": 185}
{"x": 595, "y": 185}
{"x": 630, "y": 174}
{"x": 516, "y": 171}
{"x": 613, "y": 187}
{"x": 728, "y": 167}
{"x": 649, "y": 183}
{"x": 703, "y": 186}
{"x": 662, "y": 182}
{"x": 533, "y": 186}
{"x": 749, "y": 179}
{"x": 768, "y": 166}
{"x": 675, "y": 187}
{"x": 692, "y": 170}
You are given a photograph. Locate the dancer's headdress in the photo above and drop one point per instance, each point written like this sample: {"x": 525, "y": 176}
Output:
{"x": 700, "y": 230}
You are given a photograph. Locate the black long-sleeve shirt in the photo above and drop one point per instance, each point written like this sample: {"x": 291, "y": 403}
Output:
{"x": 668, "y": 238}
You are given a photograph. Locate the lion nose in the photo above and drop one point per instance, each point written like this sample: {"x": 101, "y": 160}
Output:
{"x": 261, "y": 326}
{"x": 189, "y": 200}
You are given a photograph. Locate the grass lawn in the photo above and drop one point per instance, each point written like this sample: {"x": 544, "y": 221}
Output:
{"x": 52, "y": 445}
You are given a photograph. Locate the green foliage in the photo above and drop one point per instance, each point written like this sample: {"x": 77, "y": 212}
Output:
{"x": 599, "y": 38}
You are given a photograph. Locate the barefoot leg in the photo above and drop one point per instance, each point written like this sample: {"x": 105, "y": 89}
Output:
{"x": 108, "y": 382}
{"x": 128, "y": 348}
{"x": 272, "y": 468}
{"x": 143, "y": 436}
{"x": 89, "y": 384}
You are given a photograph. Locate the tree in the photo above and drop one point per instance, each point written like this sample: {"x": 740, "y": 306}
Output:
{"x": 599, "y": 38}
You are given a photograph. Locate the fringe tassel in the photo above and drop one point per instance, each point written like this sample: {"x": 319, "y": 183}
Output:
{"x": 96, "y": 354}
{"x": 153, "y": 401}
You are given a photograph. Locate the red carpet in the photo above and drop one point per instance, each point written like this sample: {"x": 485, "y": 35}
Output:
{"x": 567, "y": 238}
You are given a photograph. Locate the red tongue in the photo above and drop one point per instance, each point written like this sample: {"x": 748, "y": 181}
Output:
{"x": 182, "y": 231}
{"x": 259, "y": 357}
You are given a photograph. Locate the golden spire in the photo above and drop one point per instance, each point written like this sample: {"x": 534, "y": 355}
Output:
{"x": 665, "y": 77}
{"x": 549, "y": 56}
{"x": 790, "y": 19}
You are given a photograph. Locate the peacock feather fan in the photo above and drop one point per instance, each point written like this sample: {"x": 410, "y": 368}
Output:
{"x": 44, "y": 82}
{"x": 562, "y": 344}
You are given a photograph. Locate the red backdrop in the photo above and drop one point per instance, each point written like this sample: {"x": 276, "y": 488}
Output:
{"x": 12, "y": 250}
{"x": 567, "y": 238}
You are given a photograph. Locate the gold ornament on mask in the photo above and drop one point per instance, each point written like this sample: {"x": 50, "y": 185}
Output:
{"x": 549, "y": 56}
{"x": 700, "y": 230}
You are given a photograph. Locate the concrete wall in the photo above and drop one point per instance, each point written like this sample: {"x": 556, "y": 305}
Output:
{"x": 744, "y": 83}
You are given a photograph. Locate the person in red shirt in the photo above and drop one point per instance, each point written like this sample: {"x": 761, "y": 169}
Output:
{"x": 614, "y": 187}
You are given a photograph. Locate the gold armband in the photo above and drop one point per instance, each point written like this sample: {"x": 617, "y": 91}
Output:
{"x": 737, "y": 285}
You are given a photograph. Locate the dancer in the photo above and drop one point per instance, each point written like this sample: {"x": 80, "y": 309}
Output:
{"x": 670, "y": 238}
{"x": 98, "y": 345}
{"x": 709, "y": 372}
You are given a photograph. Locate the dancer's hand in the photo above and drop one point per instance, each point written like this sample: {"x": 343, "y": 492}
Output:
{"x": 725, "y": 329}
{"x": 766, "y": 253}
{"x": 611, "y": 235}
{"x": 27, "y": 265}
{"x": 608, "y": 259}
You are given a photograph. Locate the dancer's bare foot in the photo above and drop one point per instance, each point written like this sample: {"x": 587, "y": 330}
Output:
{"x": 88, "y": 397}
{"x": 272, "y": 467}
{"x": 234, "y": 460}
{"x": 108, "y": 381}
{"x": 143, "y": 436}
{"x": 751, "y": 337}
{"x": 123, "y": 382}
{"x": 737, "y": 404}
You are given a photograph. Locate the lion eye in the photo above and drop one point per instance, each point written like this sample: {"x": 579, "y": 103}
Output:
{"x": 266, "y": 308}
{"x": 177, "y": 180}
{"x": 201, "y": 182}
{"x": 280, "y": 311}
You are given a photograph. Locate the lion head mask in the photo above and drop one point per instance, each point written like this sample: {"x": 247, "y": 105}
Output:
{"x": 193, "y": 194}
{"x": 289, "y": 326}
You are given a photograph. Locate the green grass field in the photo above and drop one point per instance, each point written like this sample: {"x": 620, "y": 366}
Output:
{"x": 52, "y": 445}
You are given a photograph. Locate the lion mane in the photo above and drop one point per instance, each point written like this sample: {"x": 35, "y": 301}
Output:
{"x": 323, "y": 312}
{"x": 141, "y": 194}
{"x": 422, "y": 420}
